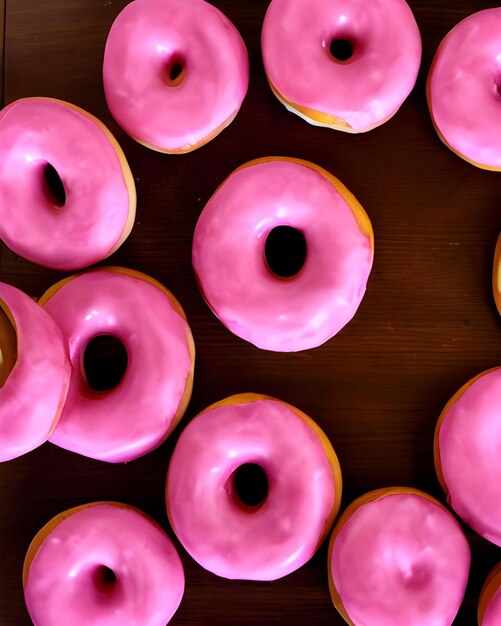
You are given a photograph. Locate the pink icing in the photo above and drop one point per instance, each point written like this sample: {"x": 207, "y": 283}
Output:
{"x": 492, "y": 615}
{"x": 470, "y": 445}
{"x": 220, "y": 533}
{"x": 38, "y": 131}
{"x": 63, "y": 588}
{"x": 465, "y": 88}
{"x": 401, "y": 559}
{"x": 364, "y": 91}
{"x": 229, "y": 259}
{"x": 32, "y": 396}
{"x": 144, "y": 41}
{"x": 135, "y": 417}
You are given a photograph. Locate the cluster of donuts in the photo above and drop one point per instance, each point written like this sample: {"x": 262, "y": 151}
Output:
{"x": 396, "y": 556}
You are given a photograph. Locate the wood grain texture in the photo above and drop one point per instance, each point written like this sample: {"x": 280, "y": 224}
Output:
{"x": 2, "y": 48}
{"x": 427, "y": 324}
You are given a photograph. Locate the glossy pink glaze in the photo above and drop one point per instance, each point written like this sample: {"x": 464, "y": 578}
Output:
{"x": 217, "y": 530}
{"x": 62, "y": 585}
{"x": 364, "y": 91}
{"x": 492, "y": 615}
{"x": 38, "y": 131}
{"x": 135, "y": 417}
{"x": 400, "y": 560}
{"x": 278, "y": 314}
{"x": 32, "y": 396}
{"x": 470, "y": 455}
{"x": 465, "y": 88}
{"x": 143, "y": 42}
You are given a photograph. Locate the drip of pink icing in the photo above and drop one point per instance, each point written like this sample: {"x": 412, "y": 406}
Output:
{"x": 221, "y": 534}
{"x": 135, "y": 417}
{"x": 492, "y": 615}
{"x": 145, "y": 39}
{"x": 465, "y": 88}
{"x": 470, "y": 455}
{"x": 63, "y": 585}
{"x": 401, "y": 560}
{"x": 33, "y": 394}
{"x": 365, "y": 90}
{"x": 38, "y": 131}
{"x": 229, "y": 257}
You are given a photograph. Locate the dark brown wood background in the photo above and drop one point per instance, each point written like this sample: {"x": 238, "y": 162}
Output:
{"x": 426, "y": 325}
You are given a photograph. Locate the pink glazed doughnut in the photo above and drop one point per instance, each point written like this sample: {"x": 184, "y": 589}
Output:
{"x": 175, "y": 73}
{"x": 397, "y": 556}
{"x": 489, "y": 606}
{"x": 102, "y": 564}
{"x": 342, "y": 64}
{"x": 34, "y": 374}
{"x": 276, "y": 534}
{"x": 67, "y": 196}
{"x": 139, "y": 414}
{"x": 467, "y": 459}
{"x": 229, "y": 254}
{"x": 464, "y": 89}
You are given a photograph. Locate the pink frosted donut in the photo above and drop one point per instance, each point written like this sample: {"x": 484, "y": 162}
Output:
{"x": 467, "y": 459}
{"x": 67, "y": 196}
{"x": 464, "y": 89}
{"x": 489, "y": 606}
{"x": 34, "y": 374}
{"x": 137, "y": 415}
{"x": 396, "y": 557}
{"x": 175, "y": 73}
{"x": 223, "y": 529}
{"x": 102, "y": 564}
{"x": 343, "y": 64}
{"x": 230, "y": 254}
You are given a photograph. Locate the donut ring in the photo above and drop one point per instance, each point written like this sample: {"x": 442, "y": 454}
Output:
{"x": 94, "y": 210}
{"x": 175, "y": 73}
{"x": 342, "y": 64}
{"x": 285, "y": 529}
{"x": 102, "y": 563}
{"x": 389, "y": 562}
{"x": 139, "y": 414}
{"x": 489, "y": 606}
{"x": 274, "y": 313}
{"x": 34, "y": 374}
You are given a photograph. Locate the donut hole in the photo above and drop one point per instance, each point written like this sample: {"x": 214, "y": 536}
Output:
{"x": 285, "y": 251}
{"x": 497, "y": 87}
{"x": 175, "y": 71}
{"x": 250, "y": 485}
{"x": 105, "y": 580}
{"x": 341, "y": 49}
{"x": 105, "y": 362}
{"x": 8, "y": 346}
{"x": 54, "y": 188}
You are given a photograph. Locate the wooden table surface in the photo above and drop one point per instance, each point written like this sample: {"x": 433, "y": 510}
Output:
{"x": 426, "y": 325}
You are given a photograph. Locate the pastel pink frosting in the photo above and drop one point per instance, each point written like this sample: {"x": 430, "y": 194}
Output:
{"x": 144, "y": 41}
{"x": 492, "y": 615}
{"x": 465, "y": 88}
{"x": 401, "y": 559}
{"x": 35, "y": 132}
{"x": 63, "y": 585}
{"x": 32, "y": 397}
{"x": 229, "y": 256}
{"x": 217, "y": 530}
{"x": 135, "y": 417}
{"x": 470, "y": 444}
{"x": 364, "y": 91}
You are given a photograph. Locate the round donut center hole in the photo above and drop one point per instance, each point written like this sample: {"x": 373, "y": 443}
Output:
{"x": 105, "y": 579}
{"x": 175, "y": 71}
{"x": 285, "y": 251}
{"x": 250, "y": 485}
{"x": 341, "y": 49}
{"x": 54, "y": 188}
{"x": 8, "y": 346}
{"x": 497, "y": 87}
{"x": 105, "y": 362}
